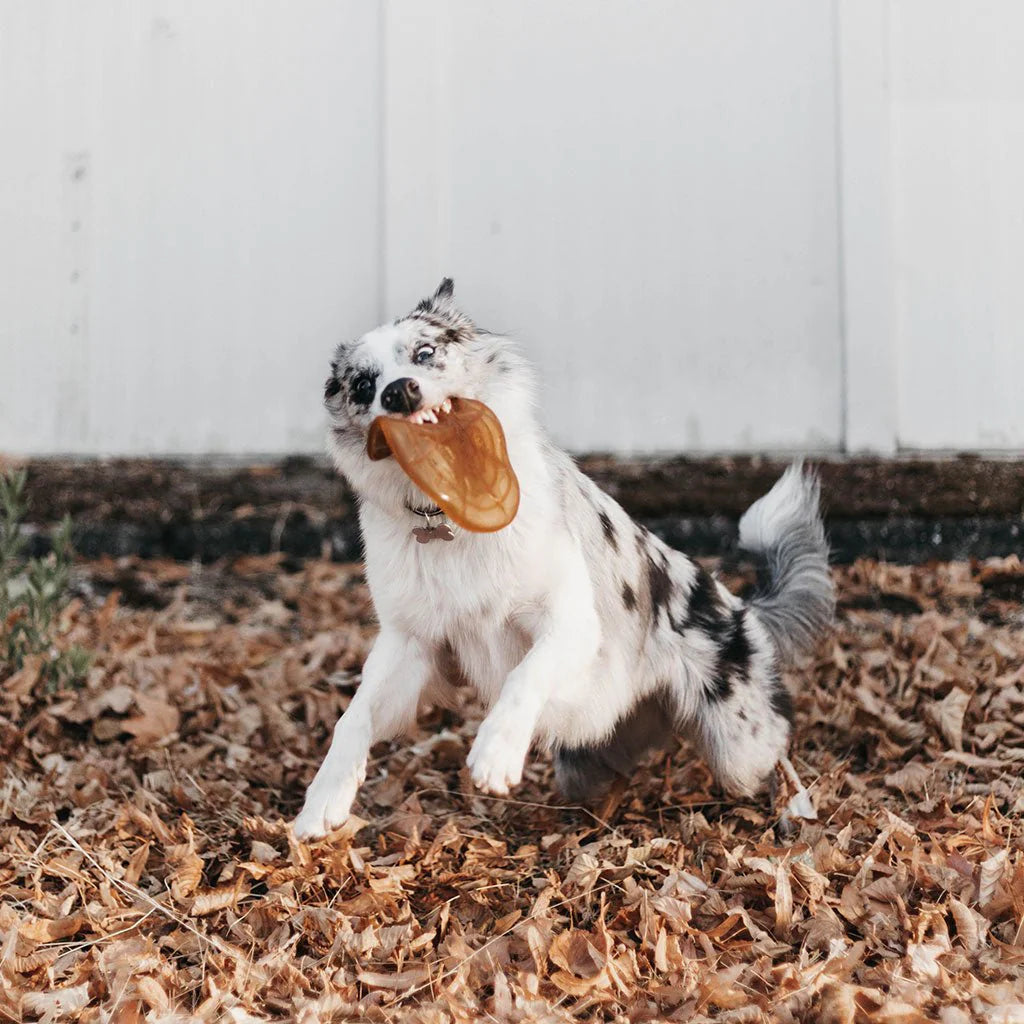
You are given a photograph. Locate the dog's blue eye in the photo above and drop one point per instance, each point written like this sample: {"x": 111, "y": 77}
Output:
{"x": 363, "y": 389}
{"x": 423, "y": 354}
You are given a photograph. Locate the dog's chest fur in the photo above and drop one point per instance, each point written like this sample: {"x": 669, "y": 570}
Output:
{"x": 483, "y": 598}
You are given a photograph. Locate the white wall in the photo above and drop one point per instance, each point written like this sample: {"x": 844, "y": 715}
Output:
{"x": 739, "y": 225}
{"x": 958, "y": 159}
{"x": 189, "y": 214}
{"x": 619, "y": 189}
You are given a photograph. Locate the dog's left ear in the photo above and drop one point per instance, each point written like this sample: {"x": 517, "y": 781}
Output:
{"x": 441, "y": 298}
{"x": 445, "y": 291}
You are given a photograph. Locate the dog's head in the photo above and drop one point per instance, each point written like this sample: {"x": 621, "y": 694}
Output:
{"x": 410, "y": 368}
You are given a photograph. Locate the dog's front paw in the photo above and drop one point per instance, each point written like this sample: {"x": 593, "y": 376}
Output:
{"x": 496, "y": 759}
{"x": 328, "y": 802}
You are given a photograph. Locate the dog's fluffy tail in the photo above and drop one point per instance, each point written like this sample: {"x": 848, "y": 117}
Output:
{"x": 785, "y": 527}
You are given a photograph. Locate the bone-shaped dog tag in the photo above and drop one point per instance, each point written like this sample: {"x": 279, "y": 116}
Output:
{"x": 425, "y": 534}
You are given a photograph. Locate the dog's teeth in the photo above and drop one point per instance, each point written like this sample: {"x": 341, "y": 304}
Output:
{"x": 446, "y": 405}
{"x": 430, "y": 416}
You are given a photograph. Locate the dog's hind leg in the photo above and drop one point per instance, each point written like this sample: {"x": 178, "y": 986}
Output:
{"x": 743, "y": 733}
{"x": 395, "y": 672}
{"x": 581, "y": 773}
{"x": 744, "y": 716}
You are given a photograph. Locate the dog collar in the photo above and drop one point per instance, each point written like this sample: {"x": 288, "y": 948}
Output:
{"x": 435, "y": 525}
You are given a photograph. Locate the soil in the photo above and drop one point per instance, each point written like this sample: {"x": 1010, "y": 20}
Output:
{"x": 903, "y": 510}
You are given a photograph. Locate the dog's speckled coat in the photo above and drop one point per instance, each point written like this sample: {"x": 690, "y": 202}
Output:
{"x": 580, "y": 630}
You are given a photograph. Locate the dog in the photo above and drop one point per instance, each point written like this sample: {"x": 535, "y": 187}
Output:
{"x": 580, "y": 631}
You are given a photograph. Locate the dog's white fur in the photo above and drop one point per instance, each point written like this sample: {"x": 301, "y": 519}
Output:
{"x": 580, "y": 631}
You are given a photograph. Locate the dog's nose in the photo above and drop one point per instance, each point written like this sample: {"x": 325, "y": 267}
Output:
{"x": 402, "y": 395}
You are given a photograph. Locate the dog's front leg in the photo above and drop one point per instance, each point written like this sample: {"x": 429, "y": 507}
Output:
{"x": 561, "y": 655}
{"x": 395, "y": 672}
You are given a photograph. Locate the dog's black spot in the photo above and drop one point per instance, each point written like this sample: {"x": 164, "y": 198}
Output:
{"x": 782, "y": 702}
{"x": 736, "y": 651}
{"x": 742, "y": 714}
{"x": 704, "y": 609}
{"x": 449, "y": 327}
{"x": 363, "y": 388}
{"x": 628, "y": 597}
{"x": 609, "y": 530}
{"x": 427, "y": 316}
{"x": 721, "y": 686}
{"x": 733, "y": 656}
{"x": 641, "y": 539}
{"x": 659, "y": 583}
{"x": 332, "y": 387}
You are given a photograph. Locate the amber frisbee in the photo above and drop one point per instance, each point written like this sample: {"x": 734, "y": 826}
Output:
{"x": 461, "y": 463}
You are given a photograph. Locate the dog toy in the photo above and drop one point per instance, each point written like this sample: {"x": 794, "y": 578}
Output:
{"x": 460, "y": 462}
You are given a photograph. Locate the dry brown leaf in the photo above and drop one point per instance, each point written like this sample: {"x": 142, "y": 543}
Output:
{"x": 783, "y": 900}
{"x": 970, "y": 926}
{"x": 131, "y": 1011}
{"x": 209, "y": 901}
{"x": 187, "y": 873}
{"x": 895, "y": 1011}
{"x": 924, "y": 958}
{"x": 989, "y": 874}
{"x": 837, "y": 1004}
{"x": 57, "y": 1004}
{"x": 948, "y": 715}
{"x": 26, "y": 679}
{"x": 580, "y": 953}
{"x": 157, "y": 718}
{"x": 1011, "y": 1013}
{"x": 912, "y": 778}
{"x": 399, "y": 982}
{"x": 36, "y": 930}
{"x": 137, "y": 864}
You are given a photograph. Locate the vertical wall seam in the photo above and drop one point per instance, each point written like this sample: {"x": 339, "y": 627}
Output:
{"x": 890, "y": 177}
{"x": 382, "y": 161}
{"x": 841, "y": 297}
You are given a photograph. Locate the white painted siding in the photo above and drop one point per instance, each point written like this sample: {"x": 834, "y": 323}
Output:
{"x": 750, "y": 225}
{"x": 958, "y": 133}
{"x": 189, "y": 210}
{"x": 616, "y": 187}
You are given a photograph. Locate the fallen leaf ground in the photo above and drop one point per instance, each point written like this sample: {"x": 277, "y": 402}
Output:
{"x": 147, "y": 871}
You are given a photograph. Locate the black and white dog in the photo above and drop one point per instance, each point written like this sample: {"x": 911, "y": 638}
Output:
{"x": 580, "y": 631}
